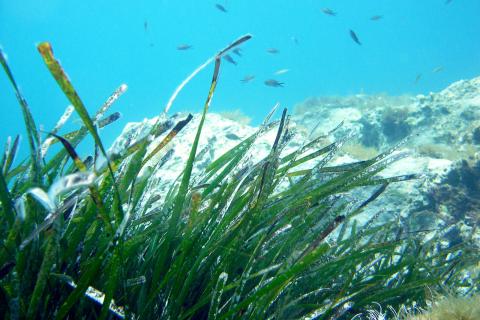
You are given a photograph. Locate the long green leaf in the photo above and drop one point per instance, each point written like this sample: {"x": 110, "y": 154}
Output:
{"x": 45, "y": 268}
{"x": 65, "y": 84}
{"x": 32, "y": 132}
{"x": 6, "y": 201}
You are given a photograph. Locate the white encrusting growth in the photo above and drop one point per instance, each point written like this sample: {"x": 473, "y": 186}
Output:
{"x": 63, "y": 119}
{"x": 73, "y": 181}
{"x": 136, "y": 281}
{"x": 98, "y": 296}
{"x": 185, "y": 82}
{"x": 115, "y": 95}
{"x": 217, "y": 296}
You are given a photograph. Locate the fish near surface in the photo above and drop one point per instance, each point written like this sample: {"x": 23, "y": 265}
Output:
{"x": 228, "y": 58}
{"x": 248, "y": 78}
{"x": 220, "y": 7}
{"x": 184, "y": 47}
{"x": 329, "y": 12}
{"x": 354, "y": 37}
{"x": 273, "y": 83}
{"x": 238, "y": 51}
{"x": 418, "y": 78}
{"x": 376, "y": 18}
{"x": 273, "y": 50}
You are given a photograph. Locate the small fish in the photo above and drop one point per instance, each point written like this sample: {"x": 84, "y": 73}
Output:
{"x": 418, "y": 77}
{"x": 248, "y": 78}
{"x": 437, "y": 69}
{"x": 329, "y": 11}
{"x": 220, "y": 7}
{"x": 376, "y": 18}
{"x": 145, "y": 25}
{"x": 355, "y": 37}
{"x": 273, "y": 83}
{"x": 229, "y": 59}
{"x": 281, "y": 71}
{"x": 184, "y": 47}
{"x": 238, "y": 51}
{"x": 448, "y": 1}
{"x": 295, "y": 40}
{"x": 273, "y": 50}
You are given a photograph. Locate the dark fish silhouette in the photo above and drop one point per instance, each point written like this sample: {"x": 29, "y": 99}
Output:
{"x": 220, "y": 7}
{"x": 448, "y": 1}
{"x": 248, "y": 78}
{"x": 238, "y": 51}
{"x": 376, "y": 18}
{"x": 184, "y": 47}
{"x": 417, "y": 79}
{"x": 330, "y": 12}
{"x": 145, "y": 25}
{"x": 355, "y": 37}
{"x": 295, "y": 40}
{"x": 273, "y": 50}
{"x": 437, "y": 69}
{"x": 229, "y": 59}
{"x": 273, "y": 83}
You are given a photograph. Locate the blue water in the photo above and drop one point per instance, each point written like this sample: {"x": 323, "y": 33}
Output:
{"x": 103, "y": 44}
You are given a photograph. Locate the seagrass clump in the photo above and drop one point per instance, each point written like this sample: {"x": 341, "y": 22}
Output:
{"x": 276, "y": 239}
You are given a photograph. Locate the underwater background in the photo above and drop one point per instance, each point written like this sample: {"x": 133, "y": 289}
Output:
{"x": 410, "y": 47}
{"x": 356, "y": 197}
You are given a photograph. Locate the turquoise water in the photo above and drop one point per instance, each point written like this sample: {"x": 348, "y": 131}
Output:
{"x": 103, "y": 44}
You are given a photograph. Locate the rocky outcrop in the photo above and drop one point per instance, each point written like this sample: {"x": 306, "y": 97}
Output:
{"x": 443, "y": 131}
{"x": 443, "y": 125}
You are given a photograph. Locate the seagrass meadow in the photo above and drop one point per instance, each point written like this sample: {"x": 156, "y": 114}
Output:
{"x": 275, "y": 239}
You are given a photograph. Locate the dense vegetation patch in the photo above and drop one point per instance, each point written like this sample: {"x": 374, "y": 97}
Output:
{"x": 275, "y": 239}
